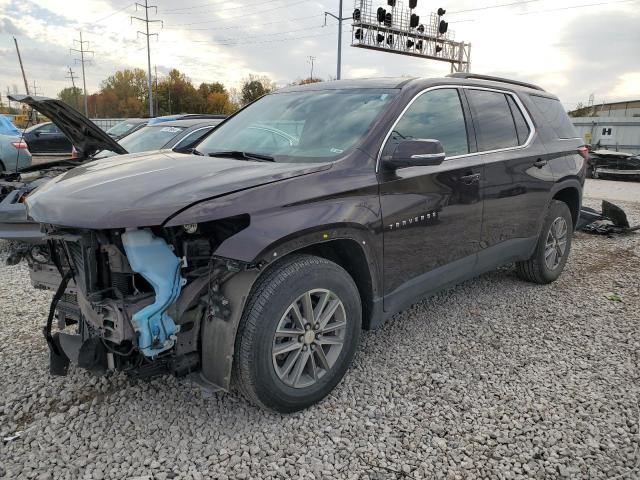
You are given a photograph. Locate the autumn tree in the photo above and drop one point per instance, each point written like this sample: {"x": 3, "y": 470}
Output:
{"x": 125, "y": 93}
{"x": 72, "y": 96}
{"x": 255, "y": 87}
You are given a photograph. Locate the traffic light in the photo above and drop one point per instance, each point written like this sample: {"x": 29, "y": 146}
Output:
{"x": 388, "y": 20}
{"x": 390, "y": 40}
{"x": 421, "y": 29}
{"x": 381, "y": 14}
{"x": 413, "y": 4}
{"x": 357, "y": 14}
{"x": 414, "y": 21}
{"x": 441, "y": 12}
{"x": 391, "y": 3}
{"x": 359, "y": 34}
{"x": 438, "y": 48}
{"x": 410, "y": 43}
{"x": 443, "y": 27}
{"x": 380, "y": 38}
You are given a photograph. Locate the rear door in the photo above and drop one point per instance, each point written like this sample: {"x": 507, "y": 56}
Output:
{"x": 517, "y": 178}
{"x": 432, "y": 215}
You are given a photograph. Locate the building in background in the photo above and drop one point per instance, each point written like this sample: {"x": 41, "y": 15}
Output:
{"x": 610, "y": 126}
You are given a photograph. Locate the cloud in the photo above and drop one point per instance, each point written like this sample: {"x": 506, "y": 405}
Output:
{"x": 8, "y": 27}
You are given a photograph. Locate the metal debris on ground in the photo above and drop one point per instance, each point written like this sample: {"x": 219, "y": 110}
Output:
{"x": 610, "y": 221}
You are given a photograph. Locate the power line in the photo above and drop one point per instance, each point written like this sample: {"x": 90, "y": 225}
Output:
{"x": 208, "y": 42}
{"x": 556, "y": 9}
{"x": 82, "y": 51}
{"x": 280, "y": 7}
{"x": 235, "y": 27}
{"x": 525, "y": 2}
{"x": 111, "y": 14}
{"x": 489, "y": 7}
{"x": 577, "y": 6}
{"x": 204, "y": 5}
{"x": 146, "y": 21}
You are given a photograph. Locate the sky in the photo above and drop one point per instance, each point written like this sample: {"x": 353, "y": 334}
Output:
{"x": 572, "y": 52}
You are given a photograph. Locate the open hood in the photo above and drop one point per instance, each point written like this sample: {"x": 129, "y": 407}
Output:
{"x": 145, "y": 189}
{"x": 85, "y": 135}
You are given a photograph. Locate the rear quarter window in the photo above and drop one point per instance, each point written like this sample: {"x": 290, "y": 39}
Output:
{"x": 555, "y": 115}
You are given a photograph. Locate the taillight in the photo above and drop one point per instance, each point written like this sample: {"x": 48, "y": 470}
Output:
{"x": 584, "y": 152}
{"x": 20, "y": 145}
{"x": 74, "y": 152}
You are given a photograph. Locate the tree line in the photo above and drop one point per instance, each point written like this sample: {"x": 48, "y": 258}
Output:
{"x": 125, "y": 94}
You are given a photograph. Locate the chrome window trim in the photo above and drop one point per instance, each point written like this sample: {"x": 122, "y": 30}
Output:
{"x": 525, "y": 113}
{"x": 191, "y": 133}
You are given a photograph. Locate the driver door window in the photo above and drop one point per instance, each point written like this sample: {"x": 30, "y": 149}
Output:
{"x": 436, "y": 115}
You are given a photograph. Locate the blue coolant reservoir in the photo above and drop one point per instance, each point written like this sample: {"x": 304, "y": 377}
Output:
{"x": 151, "y": 257}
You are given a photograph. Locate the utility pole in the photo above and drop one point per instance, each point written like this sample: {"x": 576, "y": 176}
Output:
{"x": 24, "y": 77}
{"x": 35, "y": 88}
{"x": 72, "y": 77}
{"x": 82, "y": 51}
{"x": 312, "y": 60}
{"x": 146, "y": 21}
{"x": 156, "y": 87}
{"x": 340, "y": 19}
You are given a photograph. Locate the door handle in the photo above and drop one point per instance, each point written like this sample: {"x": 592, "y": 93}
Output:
{"x": 540, "y": 163}
{"x": 470, "y": 179}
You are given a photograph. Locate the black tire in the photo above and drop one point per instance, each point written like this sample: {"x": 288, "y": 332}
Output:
{"x": 254, "y": 372}
{"x": 535, "y": 269}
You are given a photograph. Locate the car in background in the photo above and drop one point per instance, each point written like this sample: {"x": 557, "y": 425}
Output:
{"x": 92, "y": 144}
{"x": 605, "y": 163}
{"x": 47, "y": 138}
{"x": 14, "y": 152}
{"x": 124, "y": 128}
{"x": 177, "y": 135}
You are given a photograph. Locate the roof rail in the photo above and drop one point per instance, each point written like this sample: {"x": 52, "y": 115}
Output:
{"x": 494, "y": 79}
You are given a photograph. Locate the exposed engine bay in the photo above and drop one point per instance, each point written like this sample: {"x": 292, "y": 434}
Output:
{"x": 136, "y": 298}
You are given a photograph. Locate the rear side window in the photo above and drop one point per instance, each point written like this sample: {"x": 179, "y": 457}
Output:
{"x": 554, "y": 113}
{"x": 436, "y": 115}
{"x": 495, "y": 126}
{"x": 522, "y": 127}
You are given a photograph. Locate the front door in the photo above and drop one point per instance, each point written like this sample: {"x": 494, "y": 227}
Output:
{"x": 432, "y": 215}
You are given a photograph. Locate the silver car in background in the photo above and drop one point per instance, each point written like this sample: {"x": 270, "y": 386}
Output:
{"x": 14, "y": 153}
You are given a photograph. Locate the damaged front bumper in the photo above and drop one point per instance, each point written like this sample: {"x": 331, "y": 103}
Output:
{"x": 139, "y": 303}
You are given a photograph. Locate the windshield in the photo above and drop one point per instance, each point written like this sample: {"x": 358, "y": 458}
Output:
{"x": 144, "y": 140}
{"x": 307, "y": 126}
{"x": 121, "y": 128}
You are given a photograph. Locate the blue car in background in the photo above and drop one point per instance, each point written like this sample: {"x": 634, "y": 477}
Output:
{"x": 14, "y": 153}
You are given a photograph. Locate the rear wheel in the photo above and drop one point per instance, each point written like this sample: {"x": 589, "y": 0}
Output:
{"x": 298, "y": 334}
{"x": 552, "y": 250}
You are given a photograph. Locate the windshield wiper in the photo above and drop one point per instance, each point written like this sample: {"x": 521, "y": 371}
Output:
{"x": 237, "y": 154}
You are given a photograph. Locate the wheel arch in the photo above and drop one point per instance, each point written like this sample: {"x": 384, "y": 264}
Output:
{"x": 570, "y": 195}
{"x": 345, "y": 247}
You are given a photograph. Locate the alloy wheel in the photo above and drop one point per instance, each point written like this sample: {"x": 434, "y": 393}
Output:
{"x": 556, "y": 244}
{"x": 309, "y": 338}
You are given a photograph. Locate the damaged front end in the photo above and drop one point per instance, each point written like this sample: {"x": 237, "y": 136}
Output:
{"x": 141, "y": 294}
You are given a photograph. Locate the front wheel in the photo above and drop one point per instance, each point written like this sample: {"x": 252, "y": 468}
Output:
{"x": 298, "y": 333}
{"x": 552, "y": 250}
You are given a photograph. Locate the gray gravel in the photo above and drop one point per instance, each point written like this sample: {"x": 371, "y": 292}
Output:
{"x": 493, "y": 379}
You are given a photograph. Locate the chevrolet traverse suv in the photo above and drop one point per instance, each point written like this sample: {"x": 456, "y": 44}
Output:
{"x": 314, "y": 212}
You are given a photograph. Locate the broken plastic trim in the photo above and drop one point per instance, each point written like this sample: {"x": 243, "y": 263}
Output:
{"x": 151, "y": 257}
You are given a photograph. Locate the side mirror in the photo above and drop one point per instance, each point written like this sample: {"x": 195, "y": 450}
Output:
{"x": 416, "y": 153}
{"x": 37, "y": 134}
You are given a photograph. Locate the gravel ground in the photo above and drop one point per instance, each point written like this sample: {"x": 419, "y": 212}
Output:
{"x": 493, "y": 379}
